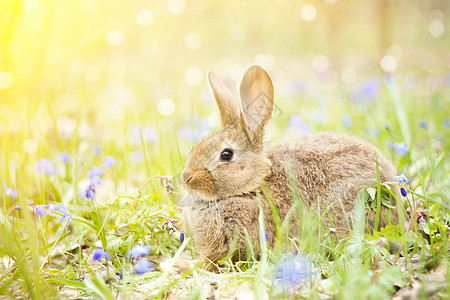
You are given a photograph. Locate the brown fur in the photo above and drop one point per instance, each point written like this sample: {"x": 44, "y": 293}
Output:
{"x": 328, "y": 169}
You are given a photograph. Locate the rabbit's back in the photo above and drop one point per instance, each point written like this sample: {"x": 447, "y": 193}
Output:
{"x": 329, "y": 171}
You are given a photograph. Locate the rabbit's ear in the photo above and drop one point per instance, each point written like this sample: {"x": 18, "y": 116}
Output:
{"x": 257, "y": 99}
{"x": 228, "y": 107}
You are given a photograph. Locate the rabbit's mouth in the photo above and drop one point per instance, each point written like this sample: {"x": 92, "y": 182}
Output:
{"x": 200, "y": 184}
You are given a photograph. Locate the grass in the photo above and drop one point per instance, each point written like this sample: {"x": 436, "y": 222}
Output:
{"x": 44, "y": 258}
{"x": 81, "y": 93}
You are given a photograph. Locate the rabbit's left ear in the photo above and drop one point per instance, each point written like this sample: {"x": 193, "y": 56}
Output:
{"x": 257, "y": 99}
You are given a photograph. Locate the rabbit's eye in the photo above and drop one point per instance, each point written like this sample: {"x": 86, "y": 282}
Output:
{"x": 226, "y": 155}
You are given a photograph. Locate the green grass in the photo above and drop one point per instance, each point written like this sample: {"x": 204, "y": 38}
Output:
{"x": 42, "y": 258}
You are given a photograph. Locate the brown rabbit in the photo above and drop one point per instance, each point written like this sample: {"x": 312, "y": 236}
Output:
{"x": 227, "y": 172}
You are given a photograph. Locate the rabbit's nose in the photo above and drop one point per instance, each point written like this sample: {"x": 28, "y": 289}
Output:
{"x": 187, "y": 176}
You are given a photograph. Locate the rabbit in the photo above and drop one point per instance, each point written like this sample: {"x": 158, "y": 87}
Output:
{"x": 227, "y": 172}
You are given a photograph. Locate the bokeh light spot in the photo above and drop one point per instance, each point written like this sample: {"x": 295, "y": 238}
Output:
{"x": 144, "y": 17}
{"x": 77, "y": 65}
{"x": 193, "y": 41}
{"x": 320, "y": 63}
{"x": 348, "y": 75}
{"x": 30, "y": 5}
{"x": 30, "y": 146}
{"x": 389, "y": 63}
{"x": 92, "y": 74}
{"x": 115, "y": 37}
{"x": 308, "y": 12}
{"x": 166, "y": 107}
{"x": 177, "y": 7}
{"x": 436, "y": 28}
{"x": 6, "y": 80}
{"x": 238, "y": 33}
{"x": 331, "y": 1}
{"x": 193, "y": 76}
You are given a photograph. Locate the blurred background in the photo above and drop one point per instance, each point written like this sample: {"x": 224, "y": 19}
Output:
{"x": 108, "y": 71}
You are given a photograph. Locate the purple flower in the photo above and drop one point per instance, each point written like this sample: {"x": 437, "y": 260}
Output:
{"x": 99, "y": 254}
{"x": 40, "y": 210}
{"x": 401, "y": 178}
{"x": 149, "y": 134}
{"x": 66, "y": 157}
{"x": 266, "y": 235}
{"x": 423, "y": 124}
{"x": 66, "y": 214}
{"x": 403, "y": 192}
{"x": 95, "y": 172}
{"x": 88, "y": 193}
{"x": 142, "y": 266}
{"x": 446, "y": 123}
{"x": 10, "y": 192}
{"x": 400, "y": 148}
{"x": 292, "y": 271}
{"x": 347, "y": 121}
{"x": 45, "y": 166}
{"x": 109, "y": 161}
{"x": 298, "y": 122}
{"x": 139, "y": 251}
{"x": 97, "y": 149}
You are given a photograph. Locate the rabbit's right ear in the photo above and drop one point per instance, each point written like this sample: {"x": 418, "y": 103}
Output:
{"x": 229, "y": 109}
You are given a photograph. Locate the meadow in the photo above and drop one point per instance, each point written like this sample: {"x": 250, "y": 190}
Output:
{"x": 101, "y": 102}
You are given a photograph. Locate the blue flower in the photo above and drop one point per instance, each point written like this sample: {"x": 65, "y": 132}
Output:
{"x": 99, "y": 254}
{"x": 423, "y": 124}
{"x": 109, "y": 161}
{"x": 401, "y": 178}
{"x": 266, "y": 235}
{"x": 298, "y": 122}
{"x": 45, "y": 166}
{"x": 95, "y": 172}
{"x": 446, "y": 123}
{"x": 139, "y": 251}
{"x": 181, "y": 237}
{"x": 66, "y": 214}
{"x": 400, "y": 148}
{"x": 347, "y": 121}
{"x": 403, "y": 192}
{"x": 10, "y": 192}
{"x": 97, "y": 149}
{"x": 40, "y": 210}
{"x": 292, "y": 271}
{"x": 88, "y": 193}
{"x": 66, "y": 157}
{"x": 142, "y": 266}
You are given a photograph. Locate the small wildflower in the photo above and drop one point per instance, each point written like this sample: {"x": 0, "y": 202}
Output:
{"x": 66, "y": 214}
{"x": 109, "y": 161}
{"x": 95, "y": 172}
{"x": 298, "y": 123}
{"x": 46, "y": 167}
{"x": 66, "y": 158}
{"x": 170, "y": 226}
{"x": 423, "y": 124}
{"x": 266, "y": 235}
{"x": 446, "y": 123}
{"x": 99, "y": 254}
{"x": 18, "y": 207}
{"x": 97, "y": 149}
{"x": 166, "y": 181}
{"x": 181, "y": 237}
{"x": 10, "y": 192}
{"x": 401, "y": 178}
{"x": 403, "y": 191}
{"x": 422, "y": 215}
{"x": 142, "y": 266}
{"x": 291, "y": 272}
{"x": 139, "y": 251}
{"x": 88, "y": 193}
{"x": 40, "y": 210}
{"x": 400, "y": 148}
{"x": 347, "y": 121}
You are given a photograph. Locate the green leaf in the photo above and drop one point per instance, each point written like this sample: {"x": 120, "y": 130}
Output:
{"x": 67, "y": 282}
